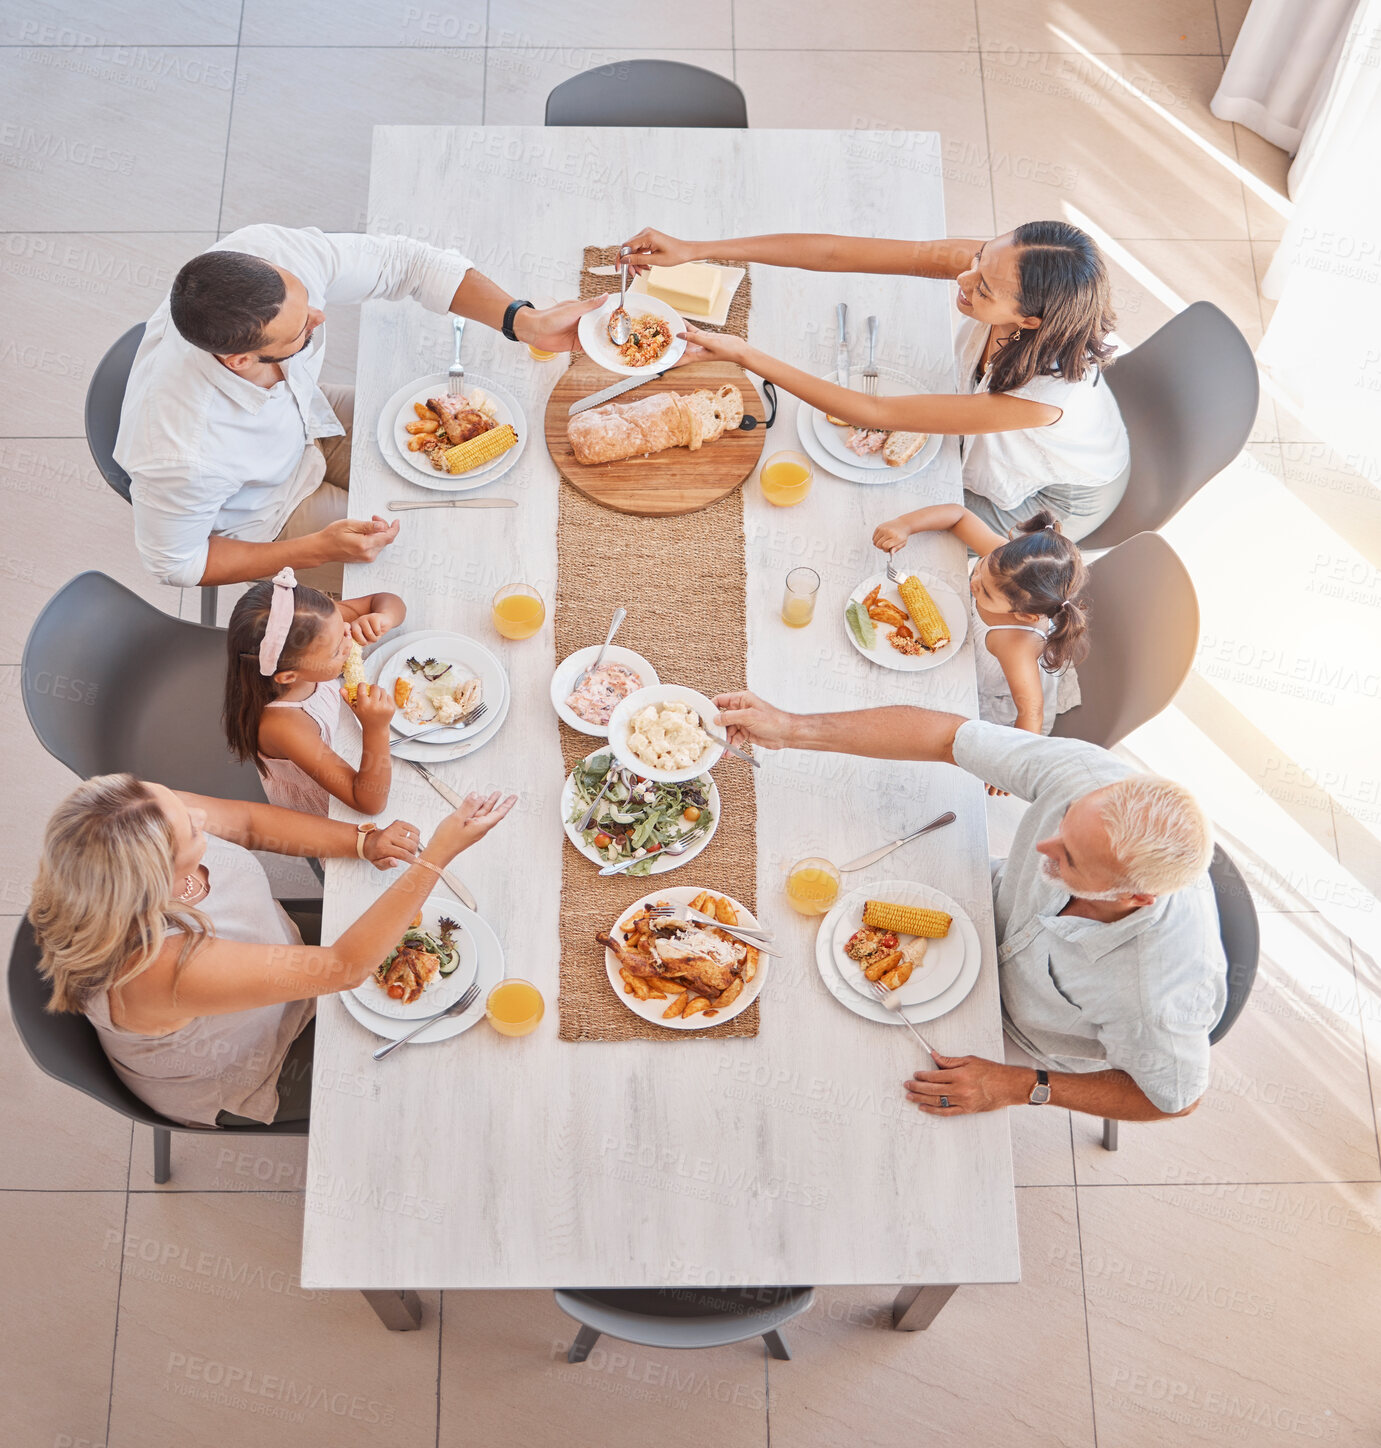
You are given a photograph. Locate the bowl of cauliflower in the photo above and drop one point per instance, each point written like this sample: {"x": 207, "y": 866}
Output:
{"x": 656, "y": 732}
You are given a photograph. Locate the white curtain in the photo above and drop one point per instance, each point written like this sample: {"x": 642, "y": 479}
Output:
{"x": 1322, "y": 351}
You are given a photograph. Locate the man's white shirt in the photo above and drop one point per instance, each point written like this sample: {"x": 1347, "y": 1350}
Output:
{"x": 208, "y": 451}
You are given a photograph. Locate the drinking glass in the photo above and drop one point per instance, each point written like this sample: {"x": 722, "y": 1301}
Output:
{"x": 517, "y": 611}
{"x": 541, "y": 304}
{"x": 798, "y": 603}
{"x": 812, "y": 886}
{"x": 786, "y": 478}
{"x": 514, "y": 1007}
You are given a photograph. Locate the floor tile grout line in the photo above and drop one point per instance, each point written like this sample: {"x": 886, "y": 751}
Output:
{"x": 115, "y": 1333}
{"x": 1366, "y": 1055}
{"x": 1083, "y": 1293}
{"x": 878, "y": 49}
{"x": 1218, "y": 24}
{"x": 484, "y": 72}
{"x": 441, "y": 1296}
{"x": 230, "y": 120}
{"x": 987, "y": 129}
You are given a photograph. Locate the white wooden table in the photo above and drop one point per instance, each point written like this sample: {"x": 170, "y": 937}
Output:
{"x": 793, "y": 1157}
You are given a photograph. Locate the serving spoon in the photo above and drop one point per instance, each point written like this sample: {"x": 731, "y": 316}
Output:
{"x": 620, "y": 328}
{"x": 619, "y": 615}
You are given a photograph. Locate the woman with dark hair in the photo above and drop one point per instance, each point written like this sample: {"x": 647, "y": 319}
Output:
{"x": 1040, "y": 428}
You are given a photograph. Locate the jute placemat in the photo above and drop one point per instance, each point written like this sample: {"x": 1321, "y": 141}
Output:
{"x": 683, "y": 581}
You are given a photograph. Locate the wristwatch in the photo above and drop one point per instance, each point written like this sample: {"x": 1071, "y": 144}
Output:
{"x": 363, "y": 832}
{"x": 1040, "y": 1092}
{"x": 511, "y": 311}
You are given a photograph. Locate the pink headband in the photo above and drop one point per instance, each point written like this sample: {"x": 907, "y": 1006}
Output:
{"x": 281, "y": 612}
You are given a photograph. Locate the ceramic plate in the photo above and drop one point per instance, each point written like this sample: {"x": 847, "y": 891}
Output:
{"x": 567, "y": 671}
{"x": 424, "y": 751}
{"x": 440, "y": 992}
{"x": 662, "y": 694}
{"x": 949, "y": 604}
{"x": 593, "y": 331}
{"x": 393, "y": 436}
{"x": 470, "y": 658}
{"x": 944, "y": 958}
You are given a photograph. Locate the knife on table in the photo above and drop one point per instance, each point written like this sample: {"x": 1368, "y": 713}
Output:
{"x": 400, "y": 506}
{"x": 874, "y": 856}
{"x": 455, "y": 886}
{"x": 627, "y": 385}
{"x": 842, "y": 356}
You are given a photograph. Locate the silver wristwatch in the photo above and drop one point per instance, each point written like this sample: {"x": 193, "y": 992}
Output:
{"x": 1040, "y": 1092}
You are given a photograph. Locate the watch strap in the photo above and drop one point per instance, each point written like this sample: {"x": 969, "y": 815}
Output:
{"x": 361, "y": 834}
{"x": 1040, "y": 1092}
{"x": 511, "y": 311}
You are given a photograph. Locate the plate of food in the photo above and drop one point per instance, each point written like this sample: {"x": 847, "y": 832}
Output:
{"x": 587, "y": 708}
{"x": 680, "y": 975}
{"x": 439, "y": 678}
{"x": 864, "y": 456}
{"x": 430, "y": 967}
{"x": 657, "y": 733}
{"x": 489, "y": 971}
{"x": 916, "y": 624}
{"x": 636, "y": 815}
{"x": 911, "y": 948}
{"x": 422, "y": 423}
{"x": 652, "y": 346}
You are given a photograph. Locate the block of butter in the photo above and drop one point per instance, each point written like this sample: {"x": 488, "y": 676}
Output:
{"x": 690, "y": 287}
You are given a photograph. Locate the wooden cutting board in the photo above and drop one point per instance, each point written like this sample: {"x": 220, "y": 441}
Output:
{"x": 664, "y": 483}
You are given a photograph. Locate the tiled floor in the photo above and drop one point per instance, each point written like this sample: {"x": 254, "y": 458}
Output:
{"x": 1207, "y": 1283}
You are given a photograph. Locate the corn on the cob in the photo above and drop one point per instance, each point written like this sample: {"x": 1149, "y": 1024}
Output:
{"x": 906, "y": 919}
{"x": 482, "y": 449}
{"x": 931, "y": 628}
{"x": 354, "y": 670}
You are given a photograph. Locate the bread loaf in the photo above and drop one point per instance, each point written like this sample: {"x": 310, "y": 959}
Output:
{"x": 620, "y": 430}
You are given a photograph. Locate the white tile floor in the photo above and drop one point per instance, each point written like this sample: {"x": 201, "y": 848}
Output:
{"x": 1205, "y": 1284}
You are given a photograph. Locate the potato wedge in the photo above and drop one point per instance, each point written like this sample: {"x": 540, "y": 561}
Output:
{"x": 881, "y": 964}
{"x": 701, "y": 901}
{"x": 725, "y": 913}
{"x": 678, "y": 1004}
{"x": 668, "y": 983}
{"x": 729, "y": 995}
{"x": 902, "y": 971}
{"x": 750, "y": 964}
{"x": 711, "y": 1012}
{"x": 627, "y": 982}
{"x": 694, "y": 1006}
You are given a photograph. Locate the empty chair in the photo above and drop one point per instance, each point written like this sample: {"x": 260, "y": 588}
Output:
{"x": 1143, "y": 632}
{"x": 1241, "y": 936}
{"x": 683, "y": 1317}
{"x": 112, "y": 684}
{"x": 67, "y": 1048}
{"x": 104, "y": 399}
{"x": 1188, "y": 395}
{"x": 647, "y": 93}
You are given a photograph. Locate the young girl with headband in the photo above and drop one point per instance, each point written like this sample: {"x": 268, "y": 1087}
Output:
{"x": 287, "y": 646}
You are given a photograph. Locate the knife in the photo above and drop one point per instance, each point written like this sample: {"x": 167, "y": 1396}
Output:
{"x": 627, "y": 385}
{"x": 399, "y": 506}
{"x": 874, "y": 856}
{"x": 842, "y": 356}
{"x": 455, "y": 886}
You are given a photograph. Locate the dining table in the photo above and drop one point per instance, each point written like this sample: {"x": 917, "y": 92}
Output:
{"x": 790, "y": 1156}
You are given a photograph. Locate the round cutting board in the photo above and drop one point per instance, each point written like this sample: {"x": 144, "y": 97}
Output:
{"x": 663, "y": 483}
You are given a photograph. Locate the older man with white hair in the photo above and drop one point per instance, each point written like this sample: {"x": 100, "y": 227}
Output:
{"x": 1110, "y": 964}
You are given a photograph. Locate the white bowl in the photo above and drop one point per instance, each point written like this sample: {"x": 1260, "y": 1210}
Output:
{"x": 568, "y": 670}
{"x": 593, "y": 331}
{"x": 662, "y": 694}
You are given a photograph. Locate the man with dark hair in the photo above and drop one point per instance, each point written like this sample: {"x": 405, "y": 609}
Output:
{"x": 239, "y": 459}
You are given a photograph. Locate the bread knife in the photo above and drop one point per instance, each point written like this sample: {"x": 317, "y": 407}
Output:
{"x": 456, "y": 887}
{"x": 627, "y": 385}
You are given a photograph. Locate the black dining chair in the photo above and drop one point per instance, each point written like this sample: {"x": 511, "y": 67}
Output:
{"x": 104, "y": 399}
{"x": 66, "y": 1047}
{"x": 1240, "y": 931}
{"x": 647, "y": 93}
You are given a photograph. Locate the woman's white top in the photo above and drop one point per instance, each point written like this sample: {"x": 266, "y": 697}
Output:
{"x": 216, "y": 1063}
{"x": 1086, "y": 448}
{"x": 995, "y": 702}
{"x": 287, "y": 784}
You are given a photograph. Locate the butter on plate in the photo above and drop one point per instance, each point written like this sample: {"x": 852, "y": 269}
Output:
{"x": 690, "y": 287}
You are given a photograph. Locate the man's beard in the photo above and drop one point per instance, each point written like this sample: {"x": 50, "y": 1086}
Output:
{"x": 1051, "y": 872}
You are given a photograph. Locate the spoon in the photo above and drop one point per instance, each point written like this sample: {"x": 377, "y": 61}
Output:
{"x": 619, "y": 615}
{"x": 620, "y": 328}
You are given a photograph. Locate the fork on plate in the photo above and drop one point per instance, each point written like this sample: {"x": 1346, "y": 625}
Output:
{"x": 455, "y": 374}
{"x": 464, "y": 722}
{"x": 684, "y": 912}
{"x": 888, "y": 999}
{"x": 870, "y": 372}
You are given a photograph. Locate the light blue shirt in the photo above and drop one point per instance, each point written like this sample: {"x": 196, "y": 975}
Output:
{"x": 1139, "y": 995}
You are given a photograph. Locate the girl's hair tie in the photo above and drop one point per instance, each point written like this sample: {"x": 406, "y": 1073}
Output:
{"x": 281, "y": 611}
{"x": 1049, "y": 527}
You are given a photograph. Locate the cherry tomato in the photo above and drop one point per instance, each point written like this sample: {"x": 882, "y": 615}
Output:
{"x": 690, "y": 814}
{"x": 602, "y": 842}
{"x": 653, "y": 848}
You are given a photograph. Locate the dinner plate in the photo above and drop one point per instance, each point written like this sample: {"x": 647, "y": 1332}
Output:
{"x": 947, "y": 601}
{"x": 874, "y": 1010}
{"x": 567, "y": 671}
{"x": 664, "y": 863}
{"x": 393, "y": 436}
{"x": 442, "y": 991}
{"x": 622, "y": 716}
{"x": 472, "y": 659}
{"x": 824, "y": 441}
{"x": 944, "y": 958}
{"x": 593, "y": 331}
{"x": 729, "y": 279}
{"x": 651, "y": 1011}
{"x": 424, "y": 751}
{"x": 490, "y": 971}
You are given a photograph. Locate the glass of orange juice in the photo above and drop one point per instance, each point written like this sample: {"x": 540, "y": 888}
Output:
{"x": 514, "y": 1007}
{"x": 541, "y": 303}
{"x": 786, "y": 478}
{"x": 812, "y": 886}
{"x": 517, "y": 611}
{"x": 798, "y": 604}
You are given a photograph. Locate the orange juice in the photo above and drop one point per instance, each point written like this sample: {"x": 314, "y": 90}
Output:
{"x": 537, "y": 353}
{"x": 514, "y": 1007}
{"x": 812, "y": 887}
{"x": 798, "y": 603}
{"x": 517, "y": 611}
{"x": 785, "y": 481}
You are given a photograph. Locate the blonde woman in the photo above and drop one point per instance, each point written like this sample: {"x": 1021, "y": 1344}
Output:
{"x": 156, "y": 922}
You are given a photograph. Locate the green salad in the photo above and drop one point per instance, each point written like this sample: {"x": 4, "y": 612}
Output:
{"x": 442, "y": 945}
{"x": 636, "y": 817}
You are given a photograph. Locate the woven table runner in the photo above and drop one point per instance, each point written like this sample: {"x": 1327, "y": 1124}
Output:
{"x": 683, "y": 581}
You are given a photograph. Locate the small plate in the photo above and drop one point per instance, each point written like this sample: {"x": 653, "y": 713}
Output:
{"x": 469, "y": 655}
{"x": 593, "y": 331}
{"x": 729, "y": 279}
{"x": 568, "y": 670}
{"x": 623, "y": 714}
{"x": 841, "y": 462}
{"x": 442, "y": 991}
{"x": 665, "y": 864}
{"x": 652, "y": 1010}
{"x": 949, "y": 604}
{"x": 424, "y": 751}
{"x": 393, "y": 435}
{"x": 944, "y": 958}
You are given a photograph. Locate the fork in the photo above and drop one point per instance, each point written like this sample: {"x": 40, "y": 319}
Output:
{"x": 677, "y": 847}
{"x": 870, "y": 372}
{"x": 464, "y": 722}
{"x": 889, "y": 1000}
{"x": 894, "y": 574}
{"x": 455, "y": 374}
{"x": 456, "y": 1008}
{"x": 684, "y": 912}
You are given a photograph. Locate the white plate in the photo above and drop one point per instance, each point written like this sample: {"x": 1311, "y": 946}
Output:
{"x": 393, "y": 436}
{"x": 440, "y": 992}
{"x": 563, "y": 681}
{"x": 848, "y": 465}
{"x": 831, "y": 436}
{"x": 729, "y": 279}
{"x": 490, "y": 972}
{"x": 469, "y": 656}
{"x": 652, "y": 1010}
{"x": 624, "y": 711}
{"x": 593, "y": 331}
{"x": 873, "y": 1010}
{"x": 665, "y": 864}
{"x": 946, "y": 600}
{"x": 424, "y": 751}
{"x": 944, "y": 958}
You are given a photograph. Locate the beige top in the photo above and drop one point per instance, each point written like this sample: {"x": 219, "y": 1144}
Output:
{"x": 216, "y": 1063}
{"x": 286, "y": 783}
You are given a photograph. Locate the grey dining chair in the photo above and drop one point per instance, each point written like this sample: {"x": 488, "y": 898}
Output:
{"x": 647, "y": 93}
{"x": 1188, "y": 395}
{"x": 104, "y": 399}
{"x": 1143, "y": 634}
{"x": 67, "y": 1048}
{"x": 683, "y": 1317}
{"x": 1240, "y": 932}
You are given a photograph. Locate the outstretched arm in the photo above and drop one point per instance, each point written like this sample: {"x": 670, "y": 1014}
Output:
{"x": 942, "y": 259}
{"x": 898, "y": 731}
